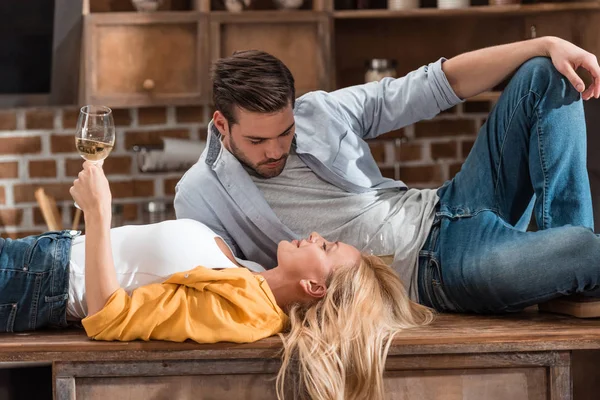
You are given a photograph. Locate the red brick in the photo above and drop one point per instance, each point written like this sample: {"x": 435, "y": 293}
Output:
{"x": 24, "y": 192}
{"x": 397, "y": 134}
{"x": 440, "y": 127}
{"x": 39, "y": 119}
{"x": 114, "y": 165}
{"x": 69, "y": 118}
{"x": 20, "y": 145}
{"x": 38, "y": 218}
{"x": 135, "y": 188}
{"x": 466, "y": 147}
{"x": 8, "y": 120}
{"x": 62, "y": 143}
{"x": 477, "y": 107}
{"x": 42, "y": 169}
{"x": 153, "y": 137}
{"x": 11, "y": 217}
{"x": 152, "y": 116}
{"x": 388, "y": 172}
{"x": 18, "y": 235}
{"x": 378, "y": 151}
{"x": 420, "y": 174}
{"x": 170, "y": 185}
{"x": 2, "y": 195}
{"x": 130, "y": 212}
{"x": 187, "y": 114}
{"x": 409, "y": 152}
{"x": 121, "y": 117}
{"x": 9, "y": 170}
{"x": 454, "y": 168}
{"x": 444, "y": 150}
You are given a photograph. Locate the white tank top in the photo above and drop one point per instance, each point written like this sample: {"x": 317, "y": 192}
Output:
{"x": 146, "y": 254}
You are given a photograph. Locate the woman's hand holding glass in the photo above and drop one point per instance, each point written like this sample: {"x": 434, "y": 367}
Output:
{"x": 95, "y": 134}
{"x": 91, "y": 191}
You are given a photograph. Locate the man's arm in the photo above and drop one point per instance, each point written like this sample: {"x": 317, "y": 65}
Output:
{"x": 478, "y": 71}
{"x": 92, "y": 193}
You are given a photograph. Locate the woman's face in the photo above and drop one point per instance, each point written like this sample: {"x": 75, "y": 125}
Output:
{"x": 315, "y": 258}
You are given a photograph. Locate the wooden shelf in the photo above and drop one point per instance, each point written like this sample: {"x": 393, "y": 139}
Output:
{"x": 516, "y": 9}
{"x": 261, "y": 16}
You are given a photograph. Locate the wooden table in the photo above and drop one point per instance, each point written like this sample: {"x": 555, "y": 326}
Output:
{"x": 522, "y": 356}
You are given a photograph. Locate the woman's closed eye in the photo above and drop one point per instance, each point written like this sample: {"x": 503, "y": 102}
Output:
{"x": 324, "y": 246}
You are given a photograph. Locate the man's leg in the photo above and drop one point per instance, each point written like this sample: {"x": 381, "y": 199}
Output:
{"x": 534, "y": 142}
{"x": 489, "y": 266}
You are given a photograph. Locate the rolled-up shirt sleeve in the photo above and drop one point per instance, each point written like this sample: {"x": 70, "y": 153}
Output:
{"x": 376, "y": 108}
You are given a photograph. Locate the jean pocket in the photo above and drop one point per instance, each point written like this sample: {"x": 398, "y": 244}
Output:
{"x": 8, "y": 314}
{"x": 437, "y": 284}
{"x": 40, "y": 253}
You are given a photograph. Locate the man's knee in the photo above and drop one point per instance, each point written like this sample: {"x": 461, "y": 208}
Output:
{"x": 542, "y": 75}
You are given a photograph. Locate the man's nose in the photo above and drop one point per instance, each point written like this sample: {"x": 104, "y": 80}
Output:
{"x": 274, "y": 151}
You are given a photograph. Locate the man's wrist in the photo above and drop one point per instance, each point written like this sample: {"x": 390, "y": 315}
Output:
{"x": 546, "y": 44}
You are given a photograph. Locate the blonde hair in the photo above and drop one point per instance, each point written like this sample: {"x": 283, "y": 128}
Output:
{"x": 337, "y": 346}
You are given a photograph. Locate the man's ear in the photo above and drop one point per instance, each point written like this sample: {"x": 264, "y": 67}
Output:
{"x": 313, "y": 288}
{"x": 221, "y": 123}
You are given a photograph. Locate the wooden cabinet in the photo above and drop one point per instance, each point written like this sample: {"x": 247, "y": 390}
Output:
{"x": 139, "y": 59}
{"x": 164, "y": 58}
{"x": 300, "y": 39}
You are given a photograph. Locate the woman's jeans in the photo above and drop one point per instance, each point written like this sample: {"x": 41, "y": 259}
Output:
{"x": 34, "y": 281}
{"x": 529, "y": 157}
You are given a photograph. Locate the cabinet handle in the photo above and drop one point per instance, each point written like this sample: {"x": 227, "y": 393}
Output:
{"x": 148, "y": 84}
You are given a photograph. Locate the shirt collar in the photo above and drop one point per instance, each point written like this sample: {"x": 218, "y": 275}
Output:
{"x": 214, "y": 144}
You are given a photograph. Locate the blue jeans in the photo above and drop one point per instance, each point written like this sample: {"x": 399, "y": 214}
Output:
{"x": 34, "y": 281}
{"x": 529, "y": 157}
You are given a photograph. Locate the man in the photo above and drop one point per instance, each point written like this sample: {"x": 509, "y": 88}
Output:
{"x": 277, "y": 169}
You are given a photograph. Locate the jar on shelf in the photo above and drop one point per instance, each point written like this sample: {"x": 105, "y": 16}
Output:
{"x": 402, "y": 4}
{"x": 379, "y": 68}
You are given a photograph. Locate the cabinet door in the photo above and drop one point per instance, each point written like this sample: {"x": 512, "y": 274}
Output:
{"x": 300, "y": 39}
{"x": 145, "y": 59}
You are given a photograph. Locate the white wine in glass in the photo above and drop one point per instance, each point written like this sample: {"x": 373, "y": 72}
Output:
{"x": 95, "y": 135}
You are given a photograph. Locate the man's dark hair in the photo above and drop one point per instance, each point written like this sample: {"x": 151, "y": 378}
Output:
{"x": 253, "y": 80}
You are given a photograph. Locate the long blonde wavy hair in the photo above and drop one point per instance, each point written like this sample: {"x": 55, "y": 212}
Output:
{"x": 337, "y": 346}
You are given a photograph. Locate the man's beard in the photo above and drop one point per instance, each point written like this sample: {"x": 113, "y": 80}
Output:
{"x": 260, "y": 169}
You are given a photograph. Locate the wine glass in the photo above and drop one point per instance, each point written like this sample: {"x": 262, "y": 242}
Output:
{"x": 95, "y": 135}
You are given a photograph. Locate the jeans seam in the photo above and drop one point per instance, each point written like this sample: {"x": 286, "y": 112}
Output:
{"x": 510, "y": 120}
{"x": 545, "y": 222}
{"x": 35, "y": 301}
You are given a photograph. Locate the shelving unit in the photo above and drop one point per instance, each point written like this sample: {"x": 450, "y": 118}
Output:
{"x": 474, "y": 11}
{"x": 324, "y": 48}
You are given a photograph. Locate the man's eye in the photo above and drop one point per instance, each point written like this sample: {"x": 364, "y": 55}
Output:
{"x": 256, "y": 141}
{"x": 287, "y": 133}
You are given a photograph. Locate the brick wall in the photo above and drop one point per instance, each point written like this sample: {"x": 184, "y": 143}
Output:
{"x": 37, "y": 150}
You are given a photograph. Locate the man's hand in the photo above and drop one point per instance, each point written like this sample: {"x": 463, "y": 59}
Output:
{"x": 91, "y": 191}
{"x": 567, "y": 57}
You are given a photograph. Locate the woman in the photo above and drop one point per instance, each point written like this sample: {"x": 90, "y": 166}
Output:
{"x": 344, "y": 307}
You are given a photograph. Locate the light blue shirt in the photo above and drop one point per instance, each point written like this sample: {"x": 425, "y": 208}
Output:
{"x": 331, "y": 129}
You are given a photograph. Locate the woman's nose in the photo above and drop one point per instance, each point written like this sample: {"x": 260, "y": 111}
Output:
{"x": 313, "y": 237}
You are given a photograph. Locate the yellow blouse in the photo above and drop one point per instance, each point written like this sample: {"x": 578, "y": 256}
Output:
{"x": 205, "y": 305}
